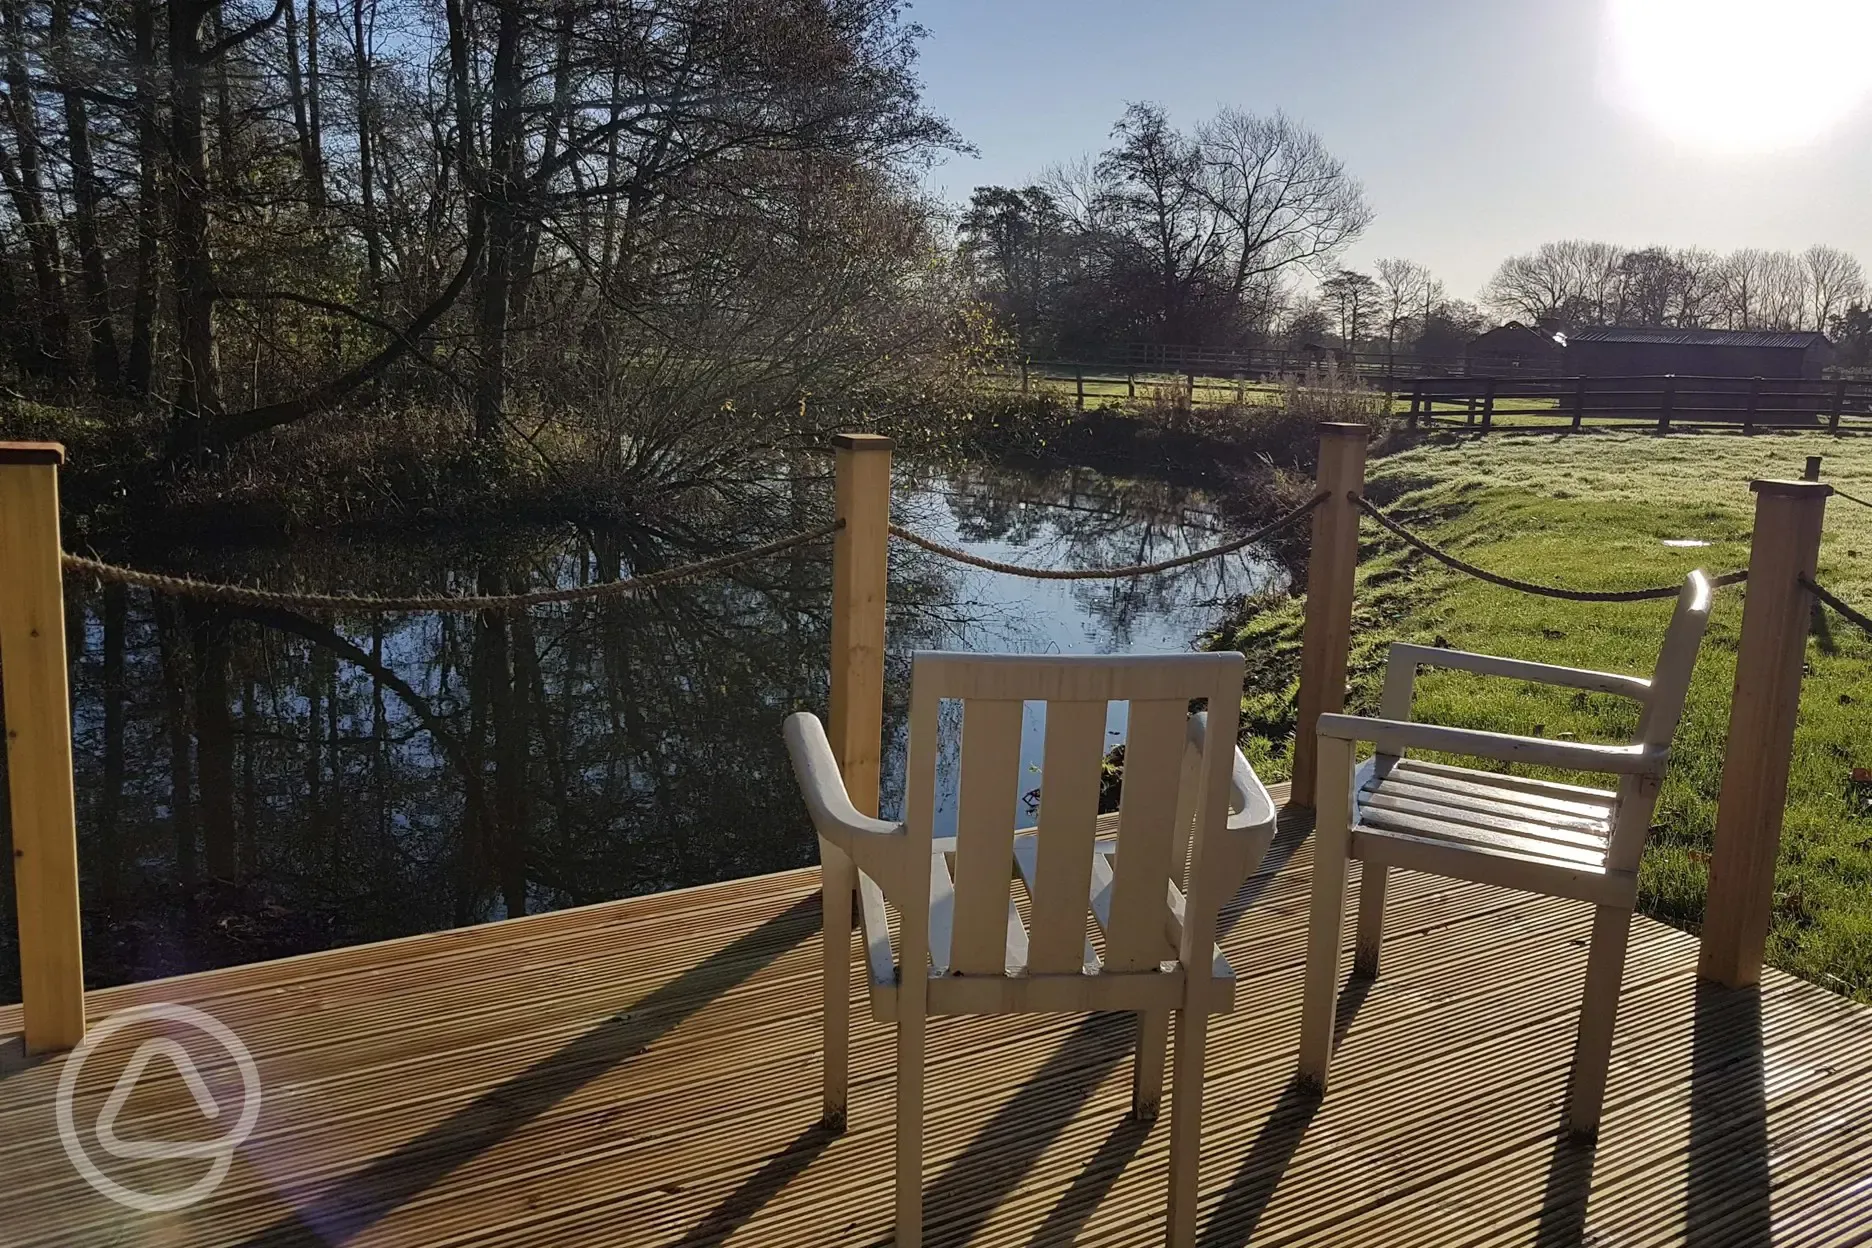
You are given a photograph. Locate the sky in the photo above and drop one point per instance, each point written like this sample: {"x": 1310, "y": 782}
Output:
{"x": 1480, "y": 128}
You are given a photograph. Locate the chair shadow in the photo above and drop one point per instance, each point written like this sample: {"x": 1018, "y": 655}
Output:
{"x": 1004, "y": 1150}
{"x": 760, "y": 1187}
{"x": 1092, "y": 1184}
{"x": 1568, "y": 1192}
{"x": 1249, "y": 1193}
{"x": 365, "y": 1198}
{"x": 1726, "y": 1196}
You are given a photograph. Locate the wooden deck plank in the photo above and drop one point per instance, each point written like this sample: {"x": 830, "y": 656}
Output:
{"x": 584, "y": 1077}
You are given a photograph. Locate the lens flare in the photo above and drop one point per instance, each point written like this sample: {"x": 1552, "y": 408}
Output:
{"x": 1742, "y": 76}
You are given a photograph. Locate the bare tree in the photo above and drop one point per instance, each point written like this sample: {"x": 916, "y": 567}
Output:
{"x": 1284, "y": 200}
{"x": 1567, "y": 284}
{"x": 1762, "y": 289}
{"x": 1405, "y": 289}
{"x": 1834, "y": 282}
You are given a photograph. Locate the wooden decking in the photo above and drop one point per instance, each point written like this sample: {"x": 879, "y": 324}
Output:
{"x": 646, "y": 1072}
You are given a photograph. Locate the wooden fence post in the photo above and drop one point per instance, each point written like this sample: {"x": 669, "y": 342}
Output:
{"x": 1416, "y": 402}
{"x": 1326, "y": 635}
{"x": 860, "y": 573}
{"x": 1080, "y": 376}
{"x": 1839, "y": 406}
{"x": 1024, "y": 389}
{"x": 1812, "y": 471}
{"x": 1488, "y": 406}
{"x": 38, "y": 746}
{"x": 1754, "y": 405}
{"x": 1192, "y": 387}
{"x": 1789, "y": 516}
{"x": 1667, "y": 404}
{"x": 1579, "y": 403}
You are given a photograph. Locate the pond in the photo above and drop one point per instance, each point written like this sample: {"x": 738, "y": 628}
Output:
{"x": 253, "y": 784}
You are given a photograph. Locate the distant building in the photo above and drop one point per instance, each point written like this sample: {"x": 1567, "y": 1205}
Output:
{"x": 1513, "y": 350}
{"x": 1697, "y": 353}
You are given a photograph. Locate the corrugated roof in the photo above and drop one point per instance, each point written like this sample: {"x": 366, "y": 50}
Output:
{"x": 1797, "y": 341}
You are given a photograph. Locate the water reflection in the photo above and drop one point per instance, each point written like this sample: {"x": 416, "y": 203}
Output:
{"x": 258, "y": 783}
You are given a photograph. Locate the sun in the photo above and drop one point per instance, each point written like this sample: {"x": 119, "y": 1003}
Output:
{"x": 1742, "y": 76}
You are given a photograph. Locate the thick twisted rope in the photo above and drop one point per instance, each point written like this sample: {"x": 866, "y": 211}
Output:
{"x": 1839, "y": 493}
{"x": 1819, "y": 591}
{"x": 1528, "y": 587}
{"x": 1108, "y": 574}
{"x": 248, "y": 596}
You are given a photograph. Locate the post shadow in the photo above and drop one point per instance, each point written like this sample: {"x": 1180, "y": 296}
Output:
{"x": 760, "y": 1187}
{"x": 363, "y": 1199}
{"x": 1726, "y": 1187}
{"x": 1232, "y": 1223}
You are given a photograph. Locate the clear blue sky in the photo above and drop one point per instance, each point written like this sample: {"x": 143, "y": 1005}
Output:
{"x": 1479, "y": 127}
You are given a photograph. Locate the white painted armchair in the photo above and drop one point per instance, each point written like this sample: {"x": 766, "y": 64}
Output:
{"x": 1558, "y": 839}
{"x": 1193, "y": 822}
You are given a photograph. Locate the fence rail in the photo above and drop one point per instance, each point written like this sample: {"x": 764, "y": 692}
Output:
{"x": 1662, "y": 402}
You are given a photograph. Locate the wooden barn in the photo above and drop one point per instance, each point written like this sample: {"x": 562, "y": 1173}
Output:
{"x": 1513, "y": 350}
{"x": 1770, "y": 354}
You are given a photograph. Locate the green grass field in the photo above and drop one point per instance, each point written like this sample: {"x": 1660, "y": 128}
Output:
{"x": 1592, "y": 511}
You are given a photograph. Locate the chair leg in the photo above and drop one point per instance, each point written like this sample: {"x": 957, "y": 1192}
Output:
{"x": 1186, "y": 1106}
{"x": 837, "y": 878}
{"x": 1371, "y": 899}
{"x": 1147, "y": 1075}
{"x": 1331, "y": 835}
{"x": 910, "y": 1130}
{"x": 1592, "y": 1050}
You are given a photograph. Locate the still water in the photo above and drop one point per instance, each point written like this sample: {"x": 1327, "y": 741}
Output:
{"x": 256, "y": 784}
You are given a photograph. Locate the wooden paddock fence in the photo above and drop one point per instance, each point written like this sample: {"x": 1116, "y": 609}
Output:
{"x": 1659, "y": 403}
{"x": 1789, "y": 518}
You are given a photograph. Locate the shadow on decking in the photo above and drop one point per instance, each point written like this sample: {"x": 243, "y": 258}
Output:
{"x": 960, "y": 1201}
{"x": 376, "y": 1191}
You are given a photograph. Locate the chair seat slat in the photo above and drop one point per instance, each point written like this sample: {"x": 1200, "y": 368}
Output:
{"x": 941, "y": 913}
{"x": 1476, "y": 814}
{"x": 1576, "y": 798}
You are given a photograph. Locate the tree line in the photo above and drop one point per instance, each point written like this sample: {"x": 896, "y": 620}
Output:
{"x": 1231, "y": 235}
{"x": 224, "y": 216}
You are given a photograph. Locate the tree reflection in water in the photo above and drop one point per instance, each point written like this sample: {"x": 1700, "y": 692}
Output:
{"x": 258, "y": 783}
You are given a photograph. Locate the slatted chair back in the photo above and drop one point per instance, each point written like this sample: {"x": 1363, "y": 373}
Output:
{"x": 1663, "y": 707}
{"x": 983, "y": 926}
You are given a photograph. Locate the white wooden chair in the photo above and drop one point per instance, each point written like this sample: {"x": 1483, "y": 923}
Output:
{"x": 962, "y": 946}
{"x": 1557, "y": 839}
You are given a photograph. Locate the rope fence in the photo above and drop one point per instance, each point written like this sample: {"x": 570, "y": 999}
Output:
{"x": 1528, "y": 587}
{"x": 1820, "y": 591}
{"x": 1839, "y": 493}
{"x": 249, "y": 596}
{"x": 1107, "y": 574}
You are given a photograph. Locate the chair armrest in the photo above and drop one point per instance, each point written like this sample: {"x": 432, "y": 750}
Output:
{"x": 1631, "y": 687}
{"x": 1393, "y": 736}
{"x": 820, "y": 783}
{"x": 1250, "y": 806}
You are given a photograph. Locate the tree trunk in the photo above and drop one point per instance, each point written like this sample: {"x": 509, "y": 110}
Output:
{"x": 21, "y": 172}
{"x": 198, "y": 389}
{"x": 311, "y": 170}
{"x": 85, "y": 196}
{"x": 503, "y": 190}
{"x": 314, "y": 113}
{"x": 140, "y": 374}
{"x": 367, "y": 188}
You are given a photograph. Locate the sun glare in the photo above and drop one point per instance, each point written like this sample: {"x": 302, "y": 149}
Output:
{"x": 1739, "y": 76}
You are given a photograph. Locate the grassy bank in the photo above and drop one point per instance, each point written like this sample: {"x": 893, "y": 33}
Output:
{"x": 1593, "y": 511}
